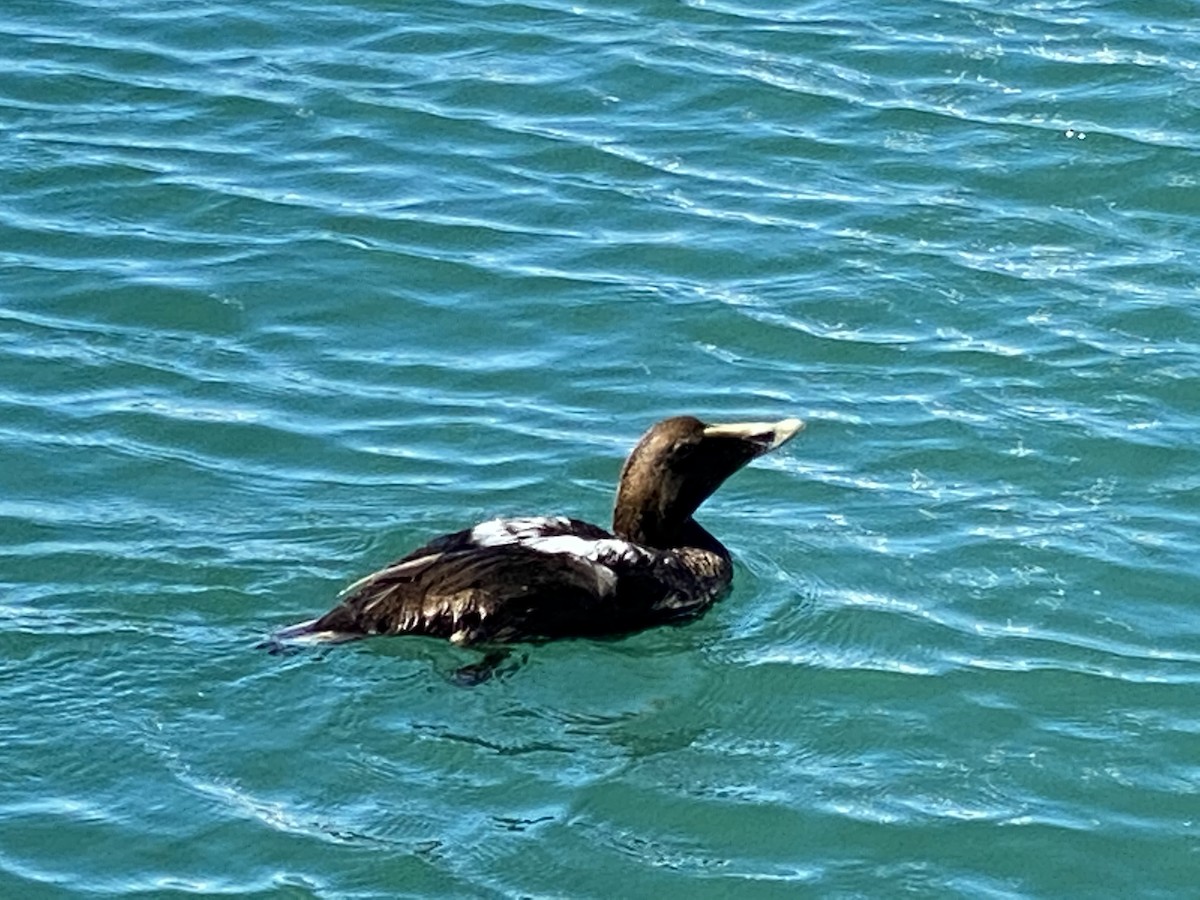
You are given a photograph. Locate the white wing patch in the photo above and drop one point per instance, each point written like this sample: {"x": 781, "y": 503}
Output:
{"x": 546, "y": 536}
{"x": 496, "y": 532}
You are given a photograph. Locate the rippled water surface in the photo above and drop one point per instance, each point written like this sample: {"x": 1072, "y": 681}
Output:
{"x": 289, "y": 288}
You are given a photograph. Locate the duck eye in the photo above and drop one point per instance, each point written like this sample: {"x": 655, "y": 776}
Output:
{"x": 682, "y": 449}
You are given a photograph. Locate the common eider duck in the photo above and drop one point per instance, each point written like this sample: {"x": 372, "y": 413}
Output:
{"x": 540, "y": 578}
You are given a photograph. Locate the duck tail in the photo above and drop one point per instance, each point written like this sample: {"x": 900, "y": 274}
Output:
{"x": 308, "y": 633}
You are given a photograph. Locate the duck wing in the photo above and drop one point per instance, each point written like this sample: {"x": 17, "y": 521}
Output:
{"x": 503, "y": 580}
{"x": 484, "y": 594}
{"x": 523, "y": 579}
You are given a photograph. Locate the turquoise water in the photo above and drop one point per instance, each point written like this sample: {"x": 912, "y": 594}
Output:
{"x": 289, "y": 288}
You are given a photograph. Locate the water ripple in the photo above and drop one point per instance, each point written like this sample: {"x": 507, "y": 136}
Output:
{"x": 292, "y": 289}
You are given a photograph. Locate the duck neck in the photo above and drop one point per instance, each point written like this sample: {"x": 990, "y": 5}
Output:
{"x": 694, "y": 535}
{"x": 649, "y": 531}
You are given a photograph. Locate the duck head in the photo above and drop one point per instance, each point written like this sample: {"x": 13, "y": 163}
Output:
{"x": 677, "y": 465}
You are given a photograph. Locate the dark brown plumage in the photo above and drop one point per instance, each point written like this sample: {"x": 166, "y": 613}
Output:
{"x": 526, "y": 579}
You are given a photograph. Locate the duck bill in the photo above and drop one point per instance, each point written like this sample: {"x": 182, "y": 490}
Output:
{"x": 762, "y": 436}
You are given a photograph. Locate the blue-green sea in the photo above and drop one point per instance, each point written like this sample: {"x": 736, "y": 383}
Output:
{"x": 289, "y": 287}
